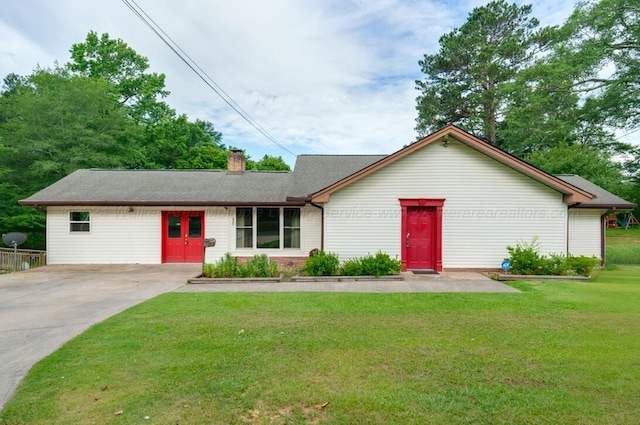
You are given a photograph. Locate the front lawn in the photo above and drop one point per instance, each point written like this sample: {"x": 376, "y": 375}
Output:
{"x": 559, "y": 352}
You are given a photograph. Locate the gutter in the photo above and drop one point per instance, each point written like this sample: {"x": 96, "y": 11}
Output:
{"x": 158, "y": 203}
{"x": 305, "y": 200}
{"x": 39, "y": 209}
{"x": 603, "y": 235}
{"x": 614, "y": 207}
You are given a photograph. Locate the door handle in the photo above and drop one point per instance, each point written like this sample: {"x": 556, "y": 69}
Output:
{"x": 407, "y": 240}
{"x": 186, "y": 241}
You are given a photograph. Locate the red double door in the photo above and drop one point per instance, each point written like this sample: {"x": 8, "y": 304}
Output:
{"x": 422, "y": 234}
{"x": 182, "y": 236}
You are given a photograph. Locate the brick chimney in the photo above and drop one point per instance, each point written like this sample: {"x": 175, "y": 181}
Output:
{"x": 236, "y": 162}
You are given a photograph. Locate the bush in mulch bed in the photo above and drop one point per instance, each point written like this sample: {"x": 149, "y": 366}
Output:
{"x": 327, "y": 264}
{"x": 525, "y": 259}
{"x": 229, "y": 267}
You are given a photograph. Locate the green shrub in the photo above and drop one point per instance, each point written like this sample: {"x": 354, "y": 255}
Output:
{"x": 352, "y": 267}
{"x": 380, "y": 265}
{"x": 207, "y": 270}
{"x": 582, "y": 265}
{"x": 372, "y": 265}
{"x": 261, "y": 266}
{"x": 554, "y": 265}
{"x": 525, "y": 259}
{"x": 227, "y": 266}
{"x": 245, "y": 270}
{"x": 322, "y": 264}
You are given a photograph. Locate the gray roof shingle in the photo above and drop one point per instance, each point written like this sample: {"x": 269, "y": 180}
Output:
{"x": 603, "y": 199}
{"x": 164, "y": 187}
{"x": 200, "y": 187}
{"x": 313, "y": 173}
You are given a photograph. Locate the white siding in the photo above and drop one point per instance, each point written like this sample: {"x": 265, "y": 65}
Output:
{"x": 585, "y": 232}
{"x": 121, "y": 237}
{"x": 311, "y": 223}
{"x": 117, "y": 236}
{"x": 216, "y": 222}
{"x": 487, "y": 207}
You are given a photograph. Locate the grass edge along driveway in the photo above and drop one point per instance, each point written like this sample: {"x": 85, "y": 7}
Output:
{"x": 560, "y": 352}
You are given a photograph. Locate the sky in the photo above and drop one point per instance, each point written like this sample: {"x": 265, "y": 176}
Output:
{"x": 322, "y": 77}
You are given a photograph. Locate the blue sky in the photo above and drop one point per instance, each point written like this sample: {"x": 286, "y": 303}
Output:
{"x": 319, "y": 76}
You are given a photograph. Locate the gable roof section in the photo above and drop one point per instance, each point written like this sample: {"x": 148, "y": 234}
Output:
{"x": 571, "y": 193}
{"x": 313, "y": 173}
{"x": 164, "y": 187}
{"x": 603, "y": 199}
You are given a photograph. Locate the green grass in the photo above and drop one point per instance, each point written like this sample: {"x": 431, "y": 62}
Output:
{"x": 623, "y": 246}
{"x": 559, "y": 352}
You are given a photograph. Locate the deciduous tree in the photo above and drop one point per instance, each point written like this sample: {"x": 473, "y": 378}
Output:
{"x": 590, "y": 163}
{"x": 604, "y": 36}
{"x": 52, "y": 123}
{"x": 57, "y": 123}
{"x": 101, "y": 57}
{"x": 272, "y": 163}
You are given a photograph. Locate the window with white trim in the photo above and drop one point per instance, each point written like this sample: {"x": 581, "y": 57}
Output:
{"x": 268, "y": 228}
{"x": 244, "y": 227}
{"x": 79, "y": 221}
{"x": 291, "y": 227}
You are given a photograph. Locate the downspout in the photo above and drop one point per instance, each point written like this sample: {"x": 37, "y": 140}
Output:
{"x": 46, "y": 230}
{"x": 39, "y": 208}
{"x": 321, "y": 208}
{"x": 603, "y": 236}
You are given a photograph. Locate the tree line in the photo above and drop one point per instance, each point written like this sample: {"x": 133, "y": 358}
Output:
{"x": 554, "y": 96}
{"x": 102, "y": 109}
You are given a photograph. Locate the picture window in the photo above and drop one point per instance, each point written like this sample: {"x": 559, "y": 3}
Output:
{"x": 268, "y": 228}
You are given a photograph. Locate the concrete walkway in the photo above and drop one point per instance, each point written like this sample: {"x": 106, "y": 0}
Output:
{"x": 43, "y": 308}
{"x": 443, "y": 282}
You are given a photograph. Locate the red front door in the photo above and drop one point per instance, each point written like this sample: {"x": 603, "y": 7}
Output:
{"x": 422, "y": 234}
{"x": 182, "y": 235}
{"x": 420, "y": 237}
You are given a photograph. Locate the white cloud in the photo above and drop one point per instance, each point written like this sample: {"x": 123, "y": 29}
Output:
{"x": 320, "y": 76}
{"x": 18, "y": 54}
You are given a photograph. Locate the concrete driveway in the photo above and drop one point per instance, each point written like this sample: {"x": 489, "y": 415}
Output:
{"x": 43, "y": 308}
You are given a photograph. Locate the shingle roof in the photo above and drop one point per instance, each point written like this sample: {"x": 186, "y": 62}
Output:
{"x": 200, "y": 187}
{"x": 315, "y": 172}
{"x": 164, "y": 187}
{"x": 604, "y": 198}
{"x": 218, "y": 187}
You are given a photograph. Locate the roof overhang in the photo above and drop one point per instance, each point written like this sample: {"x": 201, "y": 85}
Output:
{"x": 37, "y": 204}
{"x": 571, "y": 194}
